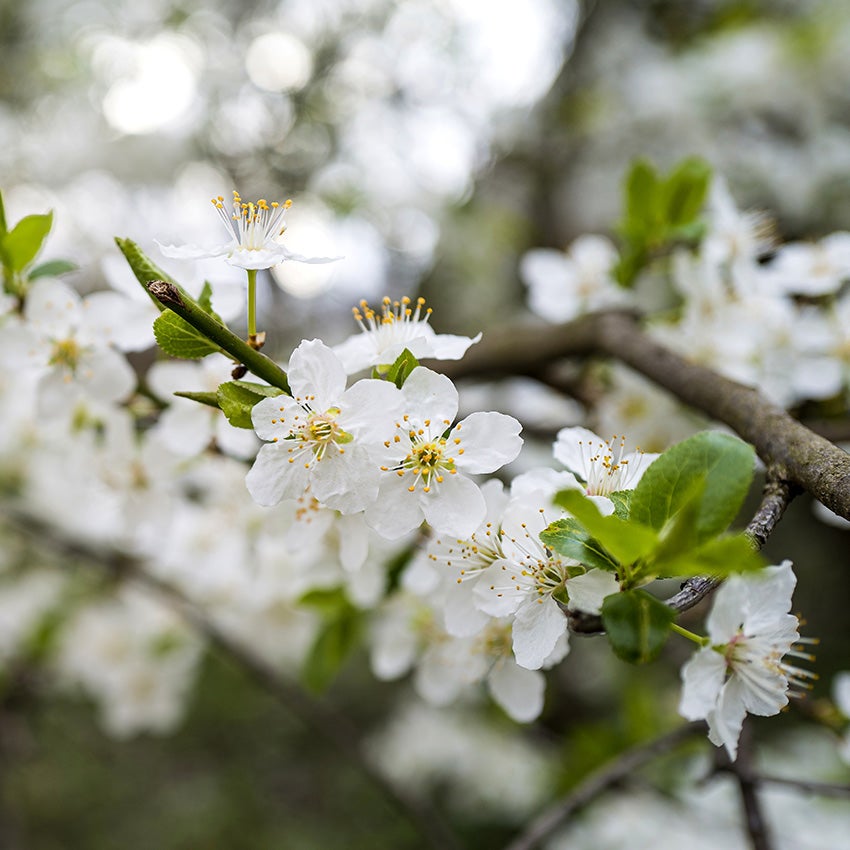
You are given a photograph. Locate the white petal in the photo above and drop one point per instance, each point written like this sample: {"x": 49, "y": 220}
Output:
{"x": 588, "y": 591}
{"x": 274, "y": 418}
{"x": 348, "y": 482}
{"x": 273, "y": 478}
{"x": 537, "y": 626}
{"x": 519, "y": 691}
{"x": 395, "y": 511}
{"x": 489, "y": 440}
{"x": 727, "y": 720}
{"x": 702, "y": 679}
{"x": 497, "y": 592}
{"x": 429, "y": 395}
{"x": 314, "y": 370}
{"x": 369, "y": 409}
{"x": 573, "y": 447}
{"x": 353, "y": 541}
{"x": 451, "y": 347}
{"x": 455, "y": 507}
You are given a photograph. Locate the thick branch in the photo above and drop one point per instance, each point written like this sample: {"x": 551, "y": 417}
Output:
{"x": 797, "y": 453}
{"x": 317, "y": 715}
{"x": 599, "y": 781}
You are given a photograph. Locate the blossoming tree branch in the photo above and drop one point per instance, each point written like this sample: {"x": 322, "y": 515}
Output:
{"x": 345, "y": 488}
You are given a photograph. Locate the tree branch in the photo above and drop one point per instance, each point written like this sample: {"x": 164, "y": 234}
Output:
{"x": 797, "y": 453}
{"x": 316, "y": 714}
{"x": 599, "y": 781}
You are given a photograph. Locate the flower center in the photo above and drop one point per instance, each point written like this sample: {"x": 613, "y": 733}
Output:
{"x": 66, "y": 352}
{"x": 252, "y": 225}
{"x": 428, "y": 458}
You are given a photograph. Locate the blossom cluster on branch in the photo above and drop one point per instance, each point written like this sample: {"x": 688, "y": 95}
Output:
{"x": 308, "y": 507}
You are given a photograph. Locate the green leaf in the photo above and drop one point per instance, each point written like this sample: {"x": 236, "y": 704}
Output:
{"x": 23, "y": 242}
{"x": 685, "y": 191}
{"x": 637, "y": 624}
{"x": 567, "y": 537}
{"x": 144, "y": 268}
{"x": 53, "y": 268}
{"x": 720, "y": 557}
{"x": 3, "y": 228}
{"x": 209, "y": 399}
{"x": 333, "y": 644}
{"x": 400, "y": 371}
{"x": 722, "y": 464}
{"x": 237, "y": 400}
{"x": 177, "y": 337}
{"x": 642, "y": 189}
{"x": 626, "y": 540}
{"x": 622, "y": 500}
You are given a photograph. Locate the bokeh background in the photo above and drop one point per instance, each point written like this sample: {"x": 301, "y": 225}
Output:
{"x": 432, "y": 143}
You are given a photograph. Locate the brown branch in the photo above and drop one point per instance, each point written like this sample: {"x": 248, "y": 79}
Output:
{"x": 317, "y": 715}
{"x": 599, "y": 781}
{"x": 795, "y": 452}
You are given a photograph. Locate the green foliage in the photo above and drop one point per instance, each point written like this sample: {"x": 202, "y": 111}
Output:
{"x": 660, "y": 212}
{"x": 207, "y": 398}
{"x": 20, "y": 245}
{"x": 175, "y": 336}
{"x": 637, "y": 624}
{"x": 626, "y": 541}
{"x": 712, "y": 469}
{"x": 52, "y": 268}
{"x": 340, "y": 634}
{"x": 400, "y": 371}
{"x": 568, "y": 537}
{"x": 144, "y": 268}
{"x": 673, "y": 523}
{"x": 237, "y": 400}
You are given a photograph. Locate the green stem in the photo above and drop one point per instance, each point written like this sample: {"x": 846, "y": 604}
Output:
{"x": 702, "y": 641}
{"x": 252, "y": 303}
{"x": 262, "y": 366}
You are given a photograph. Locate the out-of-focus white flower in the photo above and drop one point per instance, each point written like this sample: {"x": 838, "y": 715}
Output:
{"x": 742, "y": 669}
{"x": 254, "y": 229}
{"x": 563, "y": 285}
{"x": 817, "y": 268}
{"x": 841, "y": 696}
{"x": 323, "y": 437}
{"x": 398, "y": 326}
{"x": 424, "y": 474}
{"x": 69, "y": 345}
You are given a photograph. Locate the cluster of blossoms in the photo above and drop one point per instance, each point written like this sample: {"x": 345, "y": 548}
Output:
{"x": 338, "y": 476}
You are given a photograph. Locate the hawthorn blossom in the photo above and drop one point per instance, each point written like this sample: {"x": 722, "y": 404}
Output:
{"x": 398, "y": 326}
{"x": 424, "y": 473}
{"x": 601, "y": 465}
{"x": 742, "y": 668}
{"x": 254, "y": 229}
{"x": 324, "y": 437}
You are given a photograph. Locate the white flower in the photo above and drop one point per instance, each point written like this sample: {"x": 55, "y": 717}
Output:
{"x": 564, "y": 285}
{"x": 323, "y": 437}
{"x": 254, "y": 229}
{"x": 742, "y": 669}
{"x": 398, "y": 326}
{"x": 802, "y": 268}
{"x": 423, "y": 472}
{"x": 601, "y": 465}
{"x": 69, "y": 344}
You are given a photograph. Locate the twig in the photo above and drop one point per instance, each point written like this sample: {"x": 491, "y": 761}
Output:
{"x": 754, "y": 819}
{"x": 776, "y": 497}
{"x": 822, "y": 789}
{"x": 316, "y": 714}
{"x": 797, "y": 453}
{"x": 599, "y": 781}
{"x": 263, "y": 367}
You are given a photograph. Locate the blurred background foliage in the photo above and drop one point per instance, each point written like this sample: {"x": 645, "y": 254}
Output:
{"x": 431, "y": 142}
